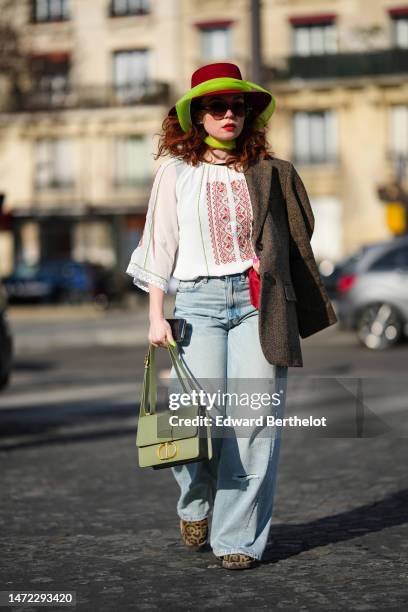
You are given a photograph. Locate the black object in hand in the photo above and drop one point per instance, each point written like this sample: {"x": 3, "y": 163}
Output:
{"x": 178, "y": 328}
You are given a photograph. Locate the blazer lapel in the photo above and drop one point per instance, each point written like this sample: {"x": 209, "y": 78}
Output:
{"x": 259, "y": 178}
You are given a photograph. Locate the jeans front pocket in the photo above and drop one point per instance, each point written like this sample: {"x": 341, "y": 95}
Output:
{"x": 186, "y": 286}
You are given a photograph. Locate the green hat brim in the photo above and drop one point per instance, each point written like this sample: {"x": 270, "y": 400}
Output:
{"x": 183, "y": 105}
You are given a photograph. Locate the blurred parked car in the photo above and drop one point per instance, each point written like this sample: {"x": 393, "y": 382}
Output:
{"x": 331, "y": 272}
{"x": 108, "y": 285}
{"x": 53, "y": 281}
{"x": 6, "y": 342}
{"x": 372, "y": 293}
{"x": 64, "y": 281}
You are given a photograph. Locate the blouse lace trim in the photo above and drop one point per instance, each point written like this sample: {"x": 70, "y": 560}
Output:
{"x": 142, "y": 278}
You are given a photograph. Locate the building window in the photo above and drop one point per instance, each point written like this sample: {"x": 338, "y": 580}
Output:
{"x": 132, "y": 167}
{"x": 314, "y": 35}
{"x": 50, "y": 76}
{"x": 54, "y": 164}
{"x": 125, "y": 8}
{"x": 315, "y": 137}
{"x": 399, "y": 132}
{"x": 131, "y": 71}
{"x": 50, "y": 10}
{"x": 400, "y": 31}
{"x": 215, "y": 42}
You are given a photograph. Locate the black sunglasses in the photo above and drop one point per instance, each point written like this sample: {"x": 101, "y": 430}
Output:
{"x": 218, "y": 108}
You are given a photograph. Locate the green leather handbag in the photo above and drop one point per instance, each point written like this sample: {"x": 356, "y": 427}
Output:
{"x": 160, "y": 444}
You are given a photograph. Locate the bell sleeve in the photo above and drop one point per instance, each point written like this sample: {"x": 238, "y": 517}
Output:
{"x": 154, "y": 258}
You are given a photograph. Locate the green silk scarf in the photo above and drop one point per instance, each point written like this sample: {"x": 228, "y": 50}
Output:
{"x": 220, "y": 144}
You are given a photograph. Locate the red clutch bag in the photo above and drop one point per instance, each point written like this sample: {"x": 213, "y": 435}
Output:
{"x": 254, "y": 282}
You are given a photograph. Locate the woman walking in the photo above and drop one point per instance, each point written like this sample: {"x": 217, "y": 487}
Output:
{"x": 222, "y": 207}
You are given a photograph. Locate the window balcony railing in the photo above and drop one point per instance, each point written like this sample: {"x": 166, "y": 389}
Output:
{"x": 55, "y": 183}
{"x": 151, "y": 92}
{"x": 315, "y": 160}
{"x": 132, "y": 182}
{"x": 344, "y": 65}
{"x": 51, "y": 19}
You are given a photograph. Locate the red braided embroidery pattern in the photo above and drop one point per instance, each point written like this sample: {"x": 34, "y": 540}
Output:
{"x": 219, "y": 219}
{"x": 243, "y": 213}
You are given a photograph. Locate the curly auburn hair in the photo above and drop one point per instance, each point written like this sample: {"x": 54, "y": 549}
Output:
{"x": 189, "y": 146}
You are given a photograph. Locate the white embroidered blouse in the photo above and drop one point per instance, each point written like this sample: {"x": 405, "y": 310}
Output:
{"x": 198, "y": 223}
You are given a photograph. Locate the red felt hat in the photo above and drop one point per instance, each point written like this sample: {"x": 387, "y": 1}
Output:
{"x": 258, "y": 100}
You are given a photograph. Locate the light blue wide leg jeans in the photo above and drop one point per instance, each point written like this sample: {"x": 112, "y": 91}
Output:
{"x": 222, "y": 346}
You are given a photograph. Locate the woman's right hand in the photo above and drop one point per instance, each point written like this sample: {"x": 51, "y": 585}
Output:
{"x": 160, "y": 333}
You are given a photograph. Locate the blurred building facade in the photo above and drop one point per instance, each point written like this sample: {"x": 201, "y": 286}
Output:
{"x": 338, "y": 69}
{"x": 76, "y": 147}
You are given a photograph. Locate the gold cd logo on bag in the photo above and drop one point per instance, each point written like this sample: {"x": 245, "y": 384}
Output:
{"x": 167, "y": 450}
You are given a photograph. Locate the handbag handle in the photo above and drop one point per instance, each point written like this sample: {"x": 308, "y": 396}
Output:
{"x": 149, "y": 395}
{"x": 180, "y": 368}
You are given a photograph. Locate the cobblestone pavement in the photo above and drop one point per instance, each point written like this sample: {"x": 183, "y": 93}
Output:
{"x": 82, "y": 516}
{"x": 77, "y": 513}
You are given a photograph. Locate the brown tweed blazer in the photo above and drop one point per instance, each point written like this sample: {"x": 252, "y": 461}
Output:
{"x": 293, "y": 299}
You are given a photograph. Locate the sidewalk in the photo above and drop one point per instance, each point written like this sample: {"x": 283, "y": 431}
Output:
{"x": 37, "y": 328}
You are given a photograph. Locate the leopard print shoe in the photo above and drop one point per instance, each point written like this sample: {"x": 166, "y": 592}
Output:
{"x": 194, "y": 533}
{"x": 237, "y": 561}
